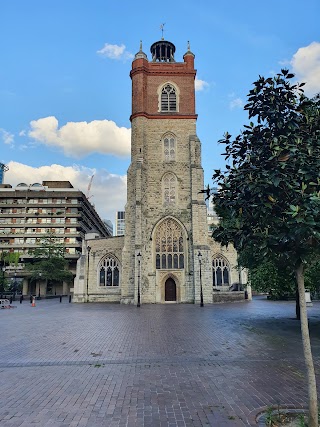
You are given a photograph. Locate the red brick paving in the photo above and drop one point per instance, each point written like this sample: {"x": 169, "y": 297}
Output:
{"x": 95, "y": 365}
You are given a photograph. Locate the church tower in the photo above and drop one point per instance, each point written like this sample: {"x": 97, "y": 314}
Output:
{"x": 166, "y": 223}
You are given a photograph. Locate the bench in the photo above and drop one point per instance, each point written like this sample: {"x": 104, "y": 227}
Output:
{"x": 5, "y": 303}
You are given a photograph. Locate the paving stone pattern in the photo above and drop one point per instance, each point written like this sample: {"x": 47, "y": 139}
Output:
{"x": 111, "y": 365}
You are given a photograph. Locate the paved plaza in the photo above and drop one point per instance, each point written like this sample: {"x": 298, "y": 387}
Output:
{"x": 111, "y": 365}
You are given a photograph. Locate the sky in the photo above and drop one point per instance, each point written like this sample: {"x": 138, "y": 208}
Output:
{"x": 65, "y": 90}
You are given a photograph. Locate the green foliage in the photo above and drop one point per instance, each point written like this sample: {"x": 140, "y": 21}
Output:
{"x": 271, "y": 190}
{"x": 312, "y": 276}
{"x": 49, "y": 261}
{"x": 4, "y": 284}
{"x": 10, "y": 258}
{"x": 48, "y": 247}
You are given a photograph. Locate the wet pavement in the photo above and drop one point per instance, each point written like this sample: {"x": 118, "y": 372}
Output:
{"x": 111, "y": 365}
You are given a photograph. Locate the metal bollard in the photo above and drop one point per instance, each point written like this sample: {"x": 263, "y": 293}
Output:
{"x": 69, "y": 298}
{"x": 60, "y": 298}
{"x": 10, "y": 300}
{"x": 30, "y": 299}
{"x": 21, "y": 299}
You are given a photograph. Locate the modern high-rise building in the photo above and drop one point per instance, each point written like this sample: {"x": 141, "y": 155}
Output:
{"x": 108, "y": 225}
{"x": 120, "y": 223}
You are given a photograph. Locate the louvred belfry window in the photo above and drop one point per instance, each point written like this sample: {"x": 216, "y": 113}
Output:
{"x": 169, "y": 147}
{"x": 169, "y": 246}
{"x": 169, "y": 189}
{"x": 168, "y": 99}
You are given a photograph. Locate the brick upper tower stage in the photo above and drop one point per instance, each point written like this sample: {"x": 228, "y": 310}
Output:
{"x": 148, "y": 76}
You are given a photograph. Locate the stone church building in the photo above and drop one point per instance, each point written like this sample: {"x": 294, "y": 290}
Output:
{"x": 166, "y": 254}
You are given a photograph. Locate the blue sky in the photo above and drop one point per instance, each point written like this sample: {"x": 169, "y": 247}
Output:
{"x": 65, "y": 91}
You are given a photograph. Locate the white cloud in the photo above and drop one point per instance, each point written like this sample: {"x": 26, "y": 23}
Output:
{"x": 200, "y": 84}
{"x": 108, "y": 191}
{"x": 6, "y": 137}
{"x": 78, "y": 139}
{"x": 236, "y": 103}
{"x": 114, "y": 51}
{"x": 306, "y": 66}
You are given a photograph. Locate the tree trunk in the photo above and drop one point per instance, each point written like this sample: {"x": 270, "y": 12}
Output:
{"x": 297, "y": 304}
{"x": 312, "y": 386}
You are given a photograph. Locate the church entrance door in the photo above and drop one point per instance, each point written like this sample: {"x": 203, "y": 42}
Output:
{"x": 170, "y": 290}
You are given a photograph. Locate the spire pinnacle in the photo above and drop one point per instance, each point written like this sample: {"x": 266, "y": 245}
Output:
{"x": 140, "y": 54}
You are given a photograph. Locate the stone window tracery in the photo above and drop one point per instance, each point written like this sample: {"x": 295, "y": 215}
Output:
{"x": 169, "y": 183}
{"x": 109, "y": 272}
{"x": 220, "y": 271}
{"x": 168, "y": 98}
{"x": 169, "y": 245}
{"x": 169, "y": 148}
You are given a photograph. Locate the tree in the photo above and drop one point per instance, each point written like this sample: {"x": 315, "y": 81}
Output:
{"x": 268, "y": 275}
{"x": 49, "y": 261}
{"x": 7, "y": 258}
{"x": 271, "y": 187}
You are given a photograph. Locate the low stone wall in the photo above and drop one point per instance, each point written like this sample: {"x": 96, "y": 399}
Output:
{"x": 235, "y": 296}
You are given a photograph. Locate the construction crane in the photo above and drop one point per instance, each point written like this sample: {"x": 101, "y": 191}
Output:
{"x": 88, "y": 196}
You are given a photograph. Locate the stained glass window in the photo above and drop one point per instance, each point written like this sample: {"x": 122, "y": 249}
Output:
{"x": 109, "y": 272}
{"x": 169, "y": 245}
{"x": 220, "y": 271}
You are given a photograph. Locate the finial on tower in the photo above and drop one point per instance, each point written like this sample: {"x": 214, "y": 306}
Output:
{"x": 162, "y": 30}
{"x": 140, "y": 54}
{"x": 188, "y": 46}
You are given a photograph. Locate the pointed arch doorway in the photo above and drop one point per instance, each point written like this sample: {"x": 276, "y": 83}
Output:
{"x": 170, "y": 290}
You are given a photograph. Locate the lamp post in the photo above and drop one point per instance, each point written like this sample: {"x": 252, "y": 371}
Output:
{"x": 14, "y": 287}
{"x": 39, "y": 296}
{"x": 201, "y": 293}
{"x": 3, "y": 270}
{"x": 88, "y": 259}
{"x": 139, "y": 266}
{"x": 3, "y": 279}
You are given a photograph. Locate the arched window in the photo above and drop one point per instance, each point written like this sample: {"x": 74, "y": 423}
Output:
{"x": 169, "y": 245}
{"x": 169, "y": 148}
{"x": 109, "y": 272}
{"x": 168, "y": 98}
{"x": 169, "y": 185}
{"x": 220, "y": 271}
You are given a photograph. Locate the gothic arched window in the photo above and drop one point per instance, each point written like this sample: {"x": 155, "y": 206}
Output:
{"x": 109, "y": 272}
{"x": 169, "y": 185}
{"x": 220, "y": 271}
{"x": 169, "y": 245}
{"x": 169, "y": 148}
{"x": 168, "y": 98}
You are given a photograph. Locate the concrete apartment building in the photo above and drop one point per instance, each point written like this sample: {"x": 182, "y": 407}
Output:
{"x": 27, "y": 212}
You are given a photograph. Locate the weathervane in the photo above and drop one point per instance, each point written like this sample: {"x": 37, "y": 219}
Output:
{"x": 162, "y": 29}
